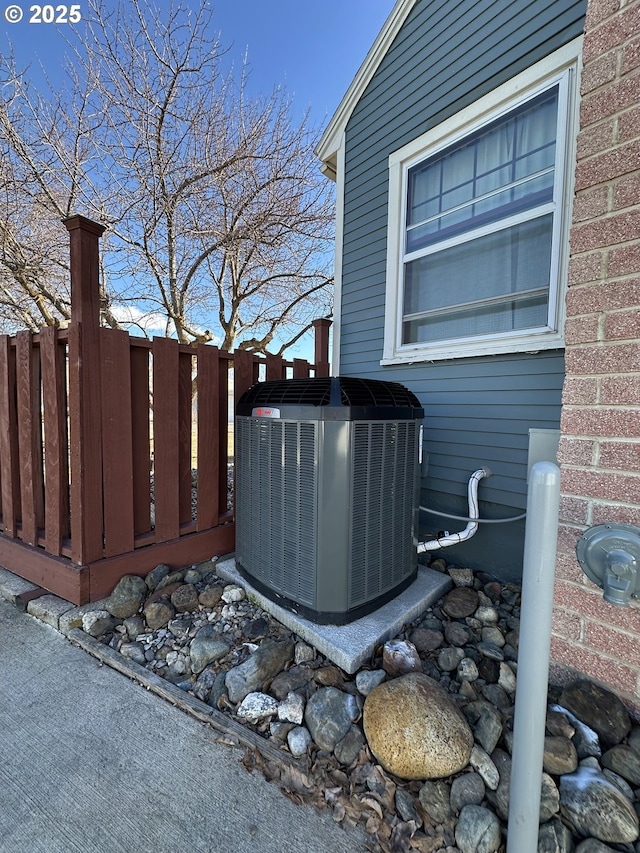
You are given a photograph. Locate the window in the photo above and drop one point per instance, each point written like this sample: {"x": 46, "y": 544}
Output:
{"x": 478, "y": 225}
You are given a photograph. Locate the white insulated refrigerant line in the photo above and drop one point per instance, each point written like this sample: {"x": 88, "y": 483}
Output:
{"x": 472, "y": 526}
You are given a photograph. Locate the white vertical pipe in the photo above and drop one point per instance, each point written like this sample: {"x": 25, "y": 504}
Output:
{"x": 540, "y": 545}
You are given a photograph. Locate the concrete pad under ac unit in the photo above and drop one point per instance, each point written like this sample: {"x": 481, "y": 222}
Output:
{"x": 351, "y": 646}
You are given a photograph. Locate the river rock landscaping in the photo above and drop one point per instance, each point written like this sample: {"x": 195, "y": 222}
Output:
{"x": 416, "y": 746}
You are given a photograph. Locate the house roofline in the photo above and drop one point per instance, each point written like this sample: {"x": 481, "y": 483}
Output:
{"x": 327, "y": 148}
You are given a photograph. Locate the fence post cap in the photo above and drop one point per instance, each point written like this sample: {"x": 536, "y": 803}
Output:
{"x": 72, "y": 223}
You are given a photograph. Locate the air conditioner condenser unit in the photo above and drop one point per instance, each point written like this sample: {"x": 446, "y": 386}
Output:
{"x": 327, "y": 485}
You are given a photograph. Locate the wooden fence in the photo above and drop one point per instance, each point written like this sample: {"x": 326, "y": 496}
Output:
{"x": 114, "y": 452}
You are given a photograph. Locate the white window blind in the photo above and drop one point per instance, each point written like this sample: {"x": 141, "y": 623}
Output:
{"x": 479, "y": 229}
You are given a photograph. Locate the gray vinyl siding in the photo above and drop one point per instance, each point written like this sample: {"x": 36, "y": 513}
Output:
{"x": 479, "y": 411}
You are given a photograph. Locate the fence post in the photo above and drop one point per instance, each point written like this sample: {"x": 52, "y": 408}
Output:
{"x": 85, "y": 408}
{"x": 321, "y": 346}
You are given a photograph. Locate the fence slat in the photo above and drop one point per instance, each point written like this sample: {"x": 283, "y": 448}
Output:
{"x": 209, "y": 436}
{"x": 2, "y": 408}
{"x": 225, "y": 415}
{"x": 166, "y": 438}
{"x": 29, "y": 437}
{"x": 54, "y": 403}
{"x": 117, "y": 455}
{"x": 245, "y": 373}
{"x": 9, "y": 467}
{"x": 185, "y": 418}
{"x": 275, "y": 367}
{"x": 140, "y": 438}
{"x": 300, "y": 368}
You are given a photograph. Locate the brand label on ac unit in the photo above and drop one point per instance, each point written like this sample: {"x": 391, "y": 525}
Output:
{"x": 264, "y": 412}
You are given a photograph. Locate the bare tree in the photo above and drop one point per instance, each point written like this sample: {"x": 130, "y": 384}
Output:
{"x": 44, "y": 147}
{"x": 217, "y": 215}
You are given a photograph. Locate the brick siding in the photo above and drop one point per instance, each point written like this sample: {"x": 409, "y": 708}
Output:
{"x": 599, "y": 451}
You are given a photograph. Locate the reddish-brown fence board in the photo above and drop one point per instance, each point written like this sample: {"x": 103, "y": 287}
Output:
{"x": 56, "y": 453}
{"x": 166, "y": 439}
{"x": 225, "y": 412}
{"x": 9, "y": 463}
{"x": 245, "y": 372}
{"x": 185, "y": 418}
{"x": 300, "y": 368}
{"x": 117, "y": 453}
{"x": 209, "y": 436}
{"x": 140, "y": 435}
{"x": 29, "y": 437}
{"x": 275, "y": 367}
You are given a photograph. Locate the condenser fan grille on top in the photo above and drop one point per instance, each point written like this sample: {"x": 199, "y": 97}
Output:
{"x": 336, "y": 391}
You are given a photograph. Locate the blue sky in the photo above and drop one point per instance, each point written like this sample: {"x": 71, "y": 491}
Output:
{"x": 312, "y": 48}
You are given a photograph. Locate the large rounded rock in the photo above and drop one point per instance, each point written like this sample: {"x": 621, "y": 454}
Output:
{"x": 206, "y": 647}
{"x": 478, "y": 830}
{"x": 460, "y": 602}
{"x": 555, "y": 837}
{"x": 97, "y": 622}
{"x": 256, "y": 707}
{"x": 156, "y": 575}
{"x": 414, "y": 729}
{"x": 158, "y": 614}
{"x": 127, "y": 597}
{"x": 625, "y": 762}
{"x": 559, "y": 755}
{"x": 329, "y": 715}
{"x": 400, "y": 657}
{"x": 467, "y": 790}
{"x": 598, "y": 708}
{"x": 185, "y": 598}
{"x": 486, "y": 722}
{"x": 263, "y": 665}
{"x": 435, "y": 799}
{"x": 596, "y": 808}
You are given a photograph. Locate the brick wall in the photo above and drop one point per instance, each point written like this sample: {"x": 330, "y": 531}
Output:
{"x": 599, "y": 450}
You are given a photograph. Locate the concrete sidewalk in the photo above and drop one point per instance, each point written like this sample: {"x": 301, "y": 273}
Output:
{"x": 90, "y": 762}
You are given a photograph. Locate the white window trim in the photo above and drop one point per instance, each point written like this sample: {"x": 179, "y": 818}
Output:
{"x": 563, "y": 64}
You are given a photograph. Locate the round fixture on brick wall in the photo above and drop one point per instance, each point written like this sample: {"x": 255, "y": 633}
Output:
{"x": 609, "y": 555}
